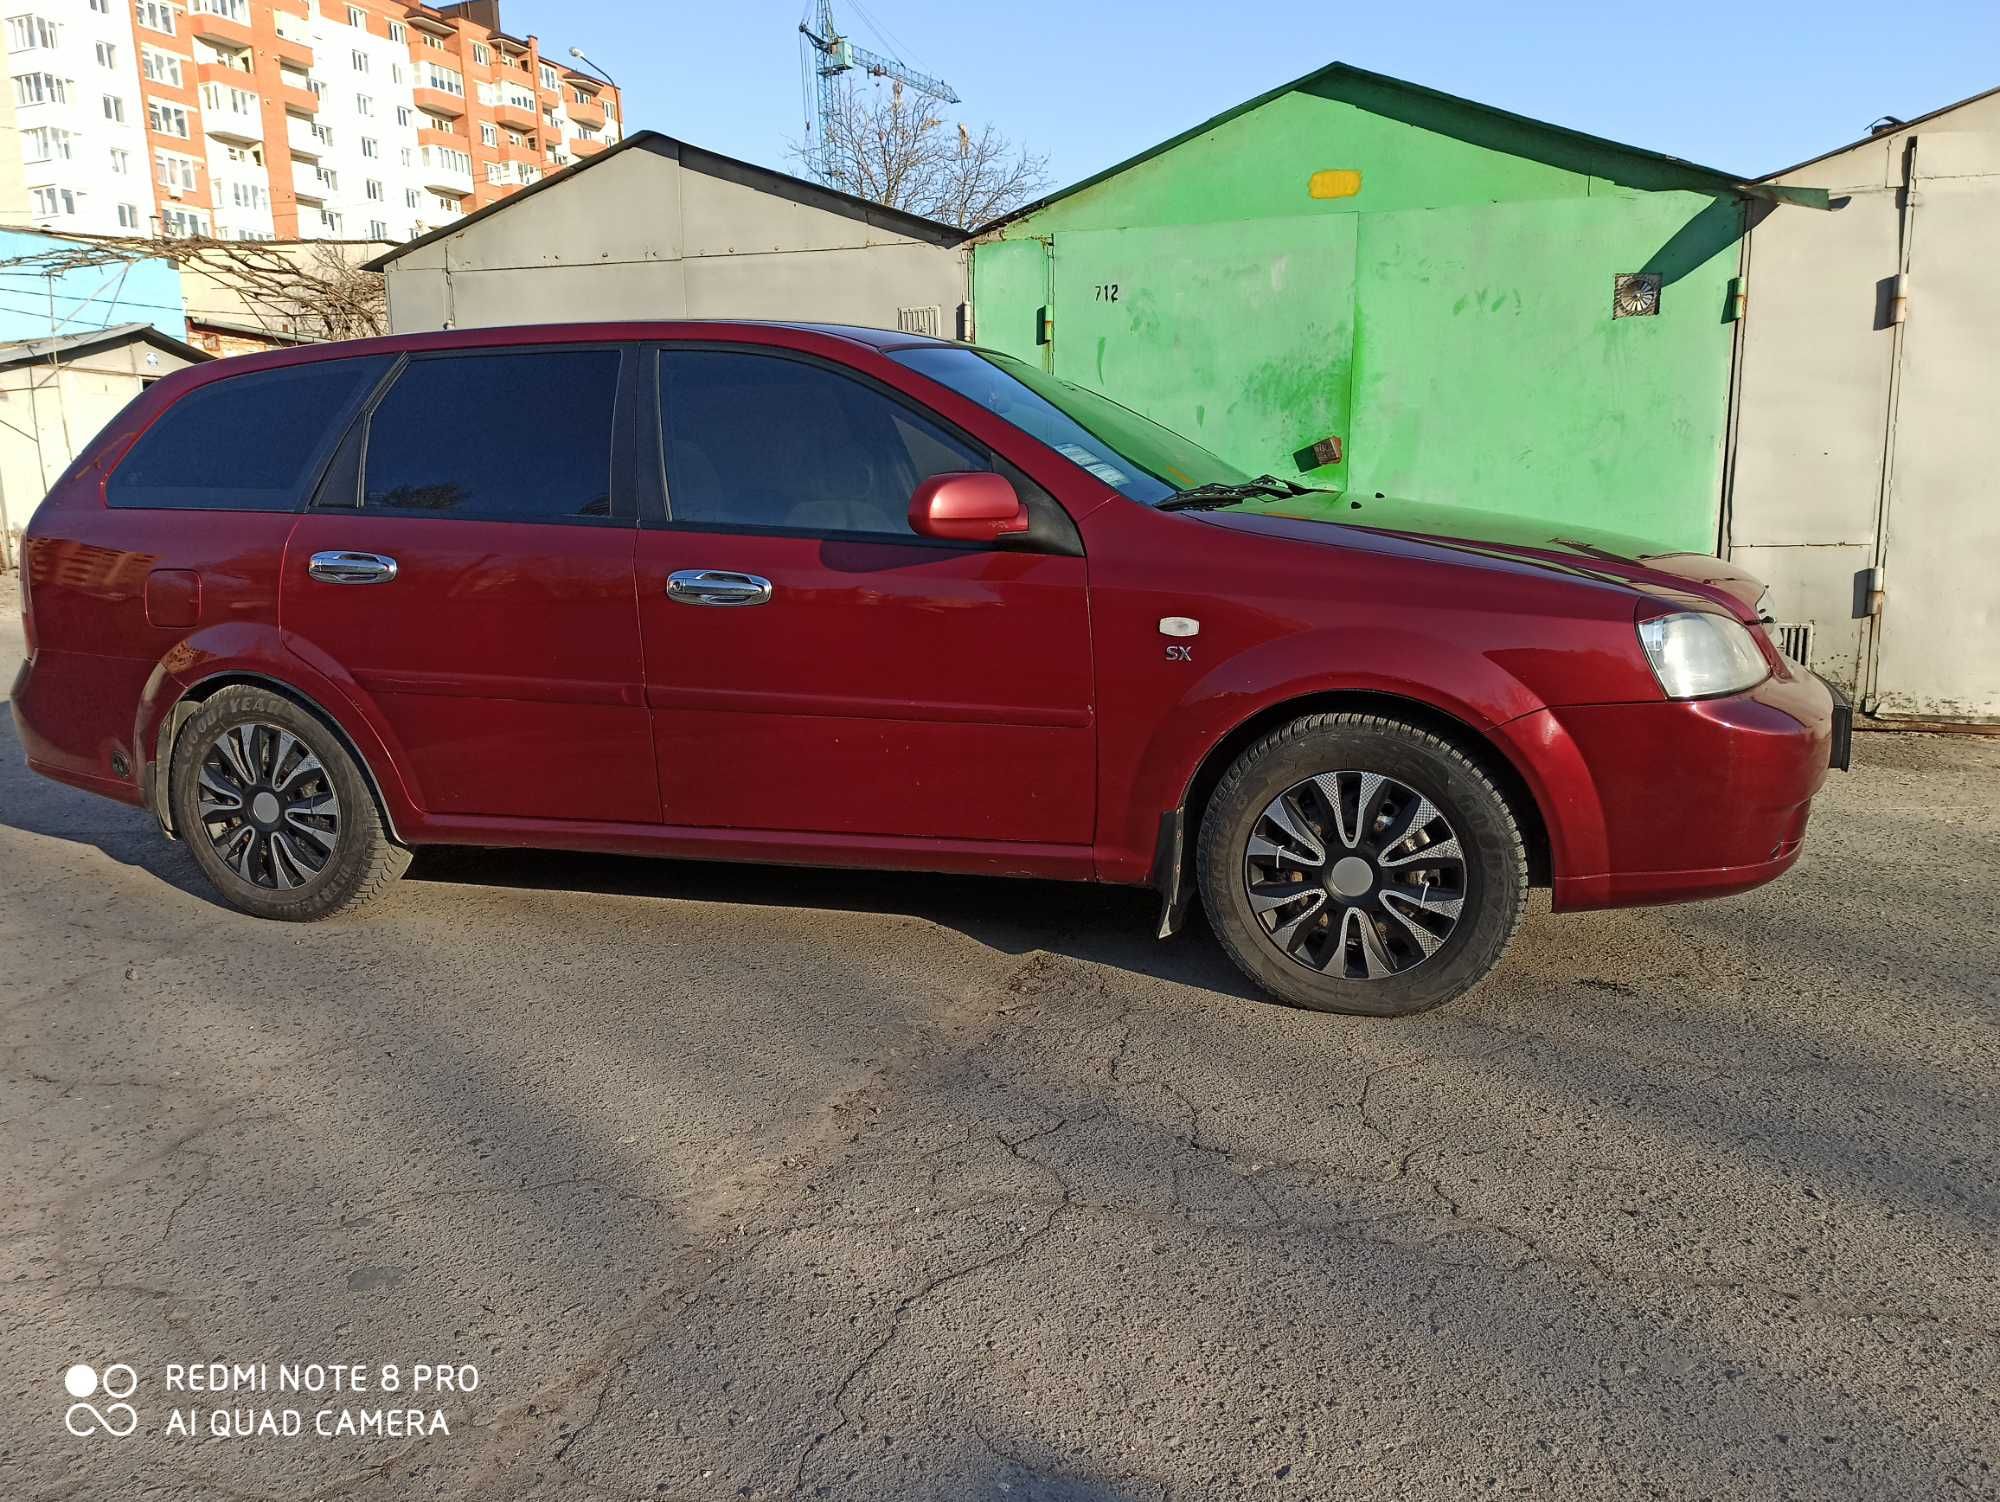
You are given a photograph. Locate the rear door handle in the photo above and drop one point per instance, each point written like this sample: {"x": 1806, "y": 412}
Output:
{"x": 716, "y": 586}
{"x": 351, "y": 568}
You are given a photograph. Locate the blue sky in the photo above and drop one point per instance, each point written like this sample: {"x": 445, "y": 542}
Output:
{"x": 1749, "y": 86}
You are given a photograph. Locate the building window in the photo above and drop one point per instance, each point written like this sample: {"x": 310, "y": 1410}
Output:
{"x": 378, "y": 229}
{"x": 114, "y": 109}
{"x": 180, "y": 221}
{"x": 481, "y": 53}
{"x": 167, "y": 119}
{"x": 121, "y": 161}
{"x": 174, "y": 171}
{"x": 395, "y": 72}
{"x": 356, "y": 16}
{"x": 402, "y": 114}
{"x": 157, "y": 15}
{"x": 363, "y": 105}
{"x": 580, "y": 97}
{"x": 230, "y": 10}
{"x": 25, "y": 33}
{"x": 373, "y": 188}
{"x": 549, "y": 80}
{"x": 409, "y": 157}
{"x": 40, "y": 88}
{"x": 128, "y": 216}
{"x": 102, "y": 7}
{"x": 45, "y": 143}
{"x": 412, "y": 199}
{"x": 330, "y": 221}
{"x": 489, "y": 134}
{"x": 444, "y": 80}
{"x": 107, "y": 55}
{"x": 160, "y": 67}
{"x": 397, "y": 31}
{"x": 496, "y": 172}
{"x": 359, "y": 60}
{"x": 330, "y": 178}
{"x": 53, "y": 202}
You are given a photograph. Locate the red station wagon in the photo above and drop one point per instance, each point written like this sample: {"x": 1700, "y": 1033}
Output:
{"x": 842, "y": 597}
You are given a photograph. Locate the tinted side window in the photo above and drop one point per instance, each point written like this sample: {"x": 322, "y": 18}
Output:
{"x": 762, "y": 441}
{"x": 499, "y": 437}
{"x": 251, "y": 442}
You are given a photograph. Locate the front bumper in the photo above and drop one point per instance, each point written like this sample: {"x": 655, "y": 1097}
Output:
{"x": 1688, "y": 798}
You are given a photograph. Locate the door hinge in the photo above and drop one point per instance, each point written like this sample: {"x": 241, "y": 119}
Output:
{"x": 1899, "y": 297}
{"x": 1873, "y": 588}
{"x": 1045, "y": 326}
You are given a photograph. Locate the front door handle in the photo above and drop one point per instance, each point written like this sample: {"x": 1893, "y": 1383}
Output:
{"x": 716, "y": 586}
{"x": 351, "y": 568}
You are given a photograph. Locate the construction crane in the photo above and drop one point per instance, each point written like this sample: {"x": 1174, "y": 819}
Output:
{"x": 829, "y": 54}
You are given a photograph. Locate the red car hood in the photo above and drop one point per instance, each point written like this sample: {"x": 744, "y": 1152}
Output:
{"x": 1561, "y": 546}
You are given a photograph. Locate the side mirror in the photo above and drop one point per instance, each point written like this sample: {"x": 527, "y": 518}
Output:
{"x": 967, "y": 506}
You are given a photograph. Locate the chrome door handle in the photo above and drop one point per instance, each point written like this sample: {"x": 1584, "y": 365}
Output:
{"x": 351, "y": 568}
{"x": 716, "y": 586}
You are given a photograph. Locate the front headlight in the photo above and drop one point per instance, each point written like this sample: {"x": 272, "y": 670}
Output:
{"x": 1697, "y": 656}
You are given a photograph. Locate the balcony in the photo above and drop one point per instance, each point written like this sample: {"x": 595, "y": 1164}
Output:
{"x": 227, "y": 123}
{"x": 309, "y": 182}
{"x": 443, "y": 176}
{"x": 305, "y": 138}
{"x": 517, "y": 116}
{"x": 583, "y": 148}
{"x": 296, "y": 93}
{"x": 449, "y": 140}
{"x": 591, "y": 114}
{"x": 297, "y": 54}
{"x": 438, "y": 101}
{"x": 225, "y": 21}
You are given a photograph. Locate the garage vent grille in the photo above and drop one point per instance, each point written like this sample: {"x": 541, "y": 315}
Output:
{"x": 921, "y": 320}
{"x": 1794, "y": 639}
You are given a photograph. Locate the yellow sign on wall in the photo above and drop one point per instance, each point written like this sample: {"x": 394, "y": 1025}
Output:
{"x": 1335, "y": 182}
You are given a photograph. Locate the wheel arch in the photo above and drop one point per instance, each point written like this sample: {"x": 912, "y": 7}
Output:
{"x": 201, "y": 691}
{"x": 1475, "y": 743}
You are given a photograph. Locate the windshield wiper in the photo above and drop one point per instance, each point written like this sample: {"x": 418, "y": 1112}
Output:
{"x": 1221, "y": 493}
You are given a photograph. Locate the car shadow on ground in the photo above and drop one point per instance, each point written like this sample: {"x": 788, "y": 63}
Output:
{"x": 1105, "y": 925}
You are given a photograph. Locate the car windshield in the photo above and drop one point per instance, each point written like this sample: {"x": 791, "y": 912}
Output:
{"x": 1130, "y": 453}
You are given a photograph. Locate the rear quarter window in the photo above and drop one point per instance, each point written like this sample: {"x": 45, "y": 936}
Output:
{"x": 250, "y": 442}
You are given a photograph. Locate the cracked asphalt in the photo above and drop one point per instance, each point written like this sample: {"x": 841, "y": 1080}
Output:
{"x": 738, "y": 1182}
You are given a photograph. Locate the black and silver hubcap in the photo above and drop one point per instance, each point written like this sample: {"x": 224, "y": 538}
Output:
{"x": 267, "y": 806}
{"x": 1354, "y": 875}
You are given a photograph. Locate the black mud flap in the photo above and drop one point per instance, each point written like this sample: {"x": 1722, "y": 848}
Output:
{"x": 1841, "y": 757}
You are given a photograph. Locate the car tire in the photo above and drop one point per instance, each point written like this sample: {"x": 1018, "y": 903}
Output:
{"x": 276, "y": 812}
{"x": 1410, "y": 867}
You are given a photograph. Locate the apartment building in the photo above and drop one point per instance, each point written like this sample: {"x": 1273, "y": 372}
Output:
{"x": 283, "y": 119}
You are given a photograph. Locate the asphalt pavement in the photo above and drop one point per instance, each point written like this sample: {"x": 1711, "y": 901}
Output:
{"x": 741, "y": 1182}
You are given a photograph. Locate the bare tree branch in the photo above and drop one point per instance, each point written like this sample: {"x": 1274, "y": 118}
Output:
{"x": 894, "y": 147}
{"x": 315, "y": 294}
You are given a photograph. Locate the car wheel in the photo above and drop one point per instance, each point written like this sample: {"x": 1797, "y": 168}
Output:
{"x": 275, "y": 811}
{"x": 1352, "y": 863}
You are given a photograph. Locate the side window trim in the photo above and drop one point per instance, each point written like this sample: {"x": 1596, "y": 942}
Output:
{"x": 656, "y": 501}
{"x": 350, "y": 476}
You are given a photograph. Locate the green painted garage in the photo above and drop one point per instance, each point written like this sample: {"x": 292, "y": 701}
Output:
{"x": 1476, "y": 308}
